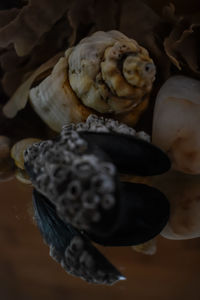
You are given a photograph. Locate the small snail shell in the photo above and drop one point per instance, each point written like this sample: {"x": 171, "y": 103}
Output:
{"x": 107, "y": 73}
{"x": 17, "y": 154}
{"x": 17, "y": 151}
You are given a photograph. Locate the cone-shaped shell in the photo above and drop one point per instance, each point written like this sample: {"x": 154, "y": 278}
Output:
{"x": 107, "y": 73}
{"x": 110, "y": 72}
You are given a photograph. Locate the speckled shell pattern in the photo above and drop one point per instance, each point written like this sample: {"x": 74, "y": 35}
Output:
{"x": 106, "y": 73}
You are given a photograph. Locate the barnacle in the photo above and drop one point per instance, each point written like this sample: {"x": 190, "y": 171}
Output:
{"x": 71, "y": 248}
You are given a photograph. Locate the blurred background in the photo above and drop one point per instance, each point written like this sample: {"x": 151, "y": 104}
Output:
{"x": 28, "y": 273}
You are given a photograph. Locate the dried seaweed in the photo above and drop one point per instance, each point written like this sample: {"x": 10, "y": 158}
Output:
{"x": 36, "y": 18}
{"x": 182, "y": 45}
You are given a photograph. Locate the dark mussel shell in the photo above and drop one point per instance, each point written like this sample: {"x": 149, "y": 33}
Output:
{"x": 139, "y": 212}
{"x": 143, "y": 211}
{"x": 130, "y": 154}
{"x": 70, "y": 248}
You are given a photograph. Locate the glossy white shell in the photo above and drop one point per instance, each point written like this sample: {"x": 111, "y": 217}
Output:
{"x": 176, "y": 123}
{"x": 54, "y": 101}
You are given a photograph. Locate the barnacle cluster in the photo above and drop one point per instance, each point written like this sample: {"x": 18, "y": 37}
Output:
{"x": 77, "y": 181}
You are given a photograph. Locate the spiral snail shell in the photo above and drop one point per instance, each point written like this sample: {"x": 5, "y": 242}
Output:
{"x": 107, "y": 72}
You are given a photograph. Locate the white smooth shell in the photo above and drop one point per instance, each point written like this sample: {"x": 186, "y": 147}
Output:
{"x": 54, "y": 101}
{"x": 176, "y": 123}
{"x": 183, "y": 193}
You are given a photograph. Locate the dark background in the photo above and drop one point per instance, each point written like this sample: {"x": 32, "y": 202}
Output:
{"x": 28, "y": 273}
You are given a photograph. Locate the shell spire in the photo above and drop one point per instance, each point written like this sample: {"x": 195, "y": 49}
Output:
{"x": 106, "y": 73}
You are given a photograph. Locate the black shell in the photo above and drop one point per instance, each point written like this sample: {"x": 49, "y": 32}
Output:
{"x": 130, "y": 154}
{"x": 143, "y": 211}
{"x": 70, "y": 248}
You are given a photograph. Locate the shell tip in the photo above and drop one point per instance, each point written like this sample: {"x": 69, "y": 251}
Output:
{"x": 121, "y": 277}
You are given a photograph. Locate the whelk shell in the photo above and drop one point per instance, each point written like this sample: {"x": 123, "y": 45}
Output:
{"x": 106, "y": 72}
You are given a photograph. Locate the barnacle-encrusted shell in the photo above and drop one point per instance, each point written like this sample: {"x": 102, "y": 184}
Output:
{"x": 101, "y": 124}
{"x": 69, "y": 247}
{"x": 63, "y": 172}
{"x": 106, "y": 72}
{"x": 83, "y": 260}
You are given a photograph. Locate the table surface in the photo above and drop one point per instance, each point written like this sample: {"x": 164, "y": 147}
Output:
{"x": 28, "y": 273}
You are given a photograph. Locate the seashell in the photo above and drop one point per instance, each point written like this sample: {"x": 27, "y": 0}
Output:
{"x": 71, "y": 248}
{"x": 106, "y": 72}
{"x": 148, "y": 248}
{"x": 77, "y": 176}
{"x": 176, "y": 123}
{"x": 22, "y": 176}
{"x": 145, "y": 160}
{"x": 17, "y": 151}
{"x": 183, "y": 192}
{"x": 17, "y": 154}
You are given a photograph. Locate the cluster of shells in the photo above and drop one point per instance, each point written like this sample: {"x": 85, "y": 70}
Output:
{"x": 109, "y": 74}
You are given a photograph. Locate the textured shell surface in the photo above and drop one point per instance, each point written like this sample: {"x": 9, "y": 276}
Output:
{"x": 110, "y": 72}
{"x": 54, "y": 101}
{"x": 107, "y": 73}
{"x": 17, "y": 151}
{"x": 176, "y": 123}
